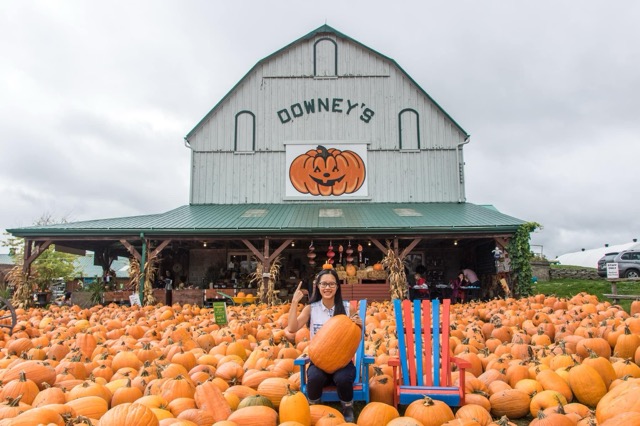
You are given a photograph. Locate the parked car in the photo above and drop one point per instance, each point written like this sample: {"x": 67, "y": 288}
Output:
{"x": 602, "y": 263}
{"x": 628, "y": 263}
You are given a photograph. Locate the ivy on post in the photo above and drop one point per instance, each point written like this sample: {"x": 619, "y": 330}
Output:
{"x": 520, "y": 254}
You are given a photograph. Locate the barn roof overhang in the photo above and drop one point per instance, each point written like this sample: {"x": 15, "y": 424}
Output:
{"x": 315, "y": 219}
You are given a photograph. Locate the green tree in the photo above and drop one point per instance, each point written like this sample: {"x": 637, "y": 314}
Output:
{"x": 521, "y": 255}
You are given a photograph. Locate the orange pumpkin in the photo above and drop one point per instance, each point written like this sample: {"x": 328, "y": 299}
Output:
{"x": 377, "y": 413}
{"x": 335, "y": 344}
{"x": 351, "y": 270}
{"x": 429, "y": 411}
{"x": 327, "y": 172}
{"x": 130, "y": 414}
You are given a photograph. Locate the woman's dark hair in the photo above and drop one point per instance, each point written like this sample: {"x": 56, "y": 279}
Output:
{"x": 316, "y": 296}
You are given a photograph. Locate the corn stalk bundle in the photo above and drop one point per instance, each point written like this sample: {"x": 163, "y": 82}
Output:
{"x": 150, "y": 271}
{"x": 134, "y": 272}
{"x": 266, "y": 294}
{"x": 274, "y": 272}
{"x": 22, "y": 287}
{"x": 256, "y": 278}
{"x": 397, "y": 277}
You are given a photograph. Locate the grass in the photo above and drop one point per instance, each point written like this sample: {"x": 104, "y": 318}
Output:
{"x": 570, "y": 287}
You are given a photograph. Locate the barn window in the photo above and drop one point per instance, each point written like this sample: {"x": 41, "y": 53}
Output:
{"x": 245, "y": 132}
{"x": 325, "y": 58}
{"x": 409, "y": 129}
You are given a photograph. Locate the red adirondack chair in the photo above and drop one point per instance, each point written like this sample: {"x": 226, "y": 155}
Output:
{"x": 425, "y": 363}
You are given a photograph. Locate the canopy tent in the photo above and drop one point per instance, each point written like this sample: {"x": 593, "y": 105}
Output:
{"x": 589, "y": 258}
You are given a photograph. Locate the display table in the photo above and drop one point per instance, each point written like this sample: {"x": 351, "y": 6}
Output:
{"x": 191, "y": 296}
{"x": 372, "y": 290}
{"x": 120, "y": 297}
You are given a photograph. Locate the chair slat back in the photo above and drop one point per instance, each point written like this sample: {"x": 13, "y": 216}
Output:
{"x": 361, "y": 308}
{"x": 423, "y": 341}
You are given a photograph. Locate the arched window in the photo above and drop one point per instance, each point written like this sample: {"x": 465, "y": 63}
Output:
{"x": 325, "y": 58}
{"x": 245, "y": 132}
{"x": 409, "y": 129}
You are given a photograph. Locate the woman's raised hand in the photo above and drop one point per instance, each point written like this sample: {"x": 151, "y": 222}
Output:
{"x": 298, "y": 294}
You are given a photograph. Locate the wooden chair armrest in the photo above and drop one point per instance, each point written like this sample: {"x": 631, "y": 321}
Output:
{"x": 368, "y": 359}
{"x": 461, "y": 363}
{"x": 393, "y": 361}
{"x": 301, "y": 360}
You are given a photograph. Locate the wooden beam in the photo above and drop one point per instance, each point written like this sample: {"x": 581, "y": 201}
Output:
{"x": 502, "y": 242}
{"x": 279, "y": 249}
{"x": 132, "y": 250}
{"x": 160, "y": 247}
{"x": 410, "y": 247}
{"x": 378, "y": 244}
{"x": 254, "y": 250}
{"x": 40, "y": 248}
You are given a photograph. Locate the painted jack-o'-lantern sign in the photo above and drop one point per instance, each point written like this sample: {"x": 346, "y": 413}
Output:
{"x": 325, "y": 172}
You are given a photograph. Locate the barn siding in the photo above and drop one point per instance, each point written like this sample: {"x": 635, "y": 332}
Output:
{"x": 428, "y": 175}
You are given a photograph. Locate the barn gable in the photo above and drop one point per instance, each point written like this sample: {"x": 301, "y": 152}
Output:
{"x": 326, "y": 89}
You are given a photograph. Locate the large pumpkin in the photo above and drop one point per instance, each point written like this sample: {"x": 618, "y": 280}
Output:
{"x": 127, "y": 413}
{"x": 326, "y": 172}
{"x": 335, "y": 344}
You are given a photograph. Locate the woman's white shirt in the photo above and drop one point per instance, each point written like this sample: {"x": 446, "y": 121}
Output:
{"x": 320, "y": 314}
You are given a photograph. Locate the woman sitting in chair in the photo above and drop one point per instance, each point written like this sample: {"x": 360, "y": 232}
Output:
{"x": 326, "y": 301}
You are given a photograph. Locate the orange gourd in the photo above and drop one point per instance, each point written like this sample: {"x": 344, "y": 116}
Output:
{"x": 209, "y": 397}
{"x": 335, "y": 344}
{"x": 257, "y": 415}
{"x": 429, "y": 411}
{"x": 129, "y": 414}
{"x": 295, "y": 407}
{"x": 377, "y": 413}
{"x": 512, "y": 403}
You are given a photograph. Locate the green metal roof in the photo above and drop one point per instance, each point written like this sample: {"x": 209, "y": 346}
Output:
{"x": 317, "y": 218}
{"x": 324, "y": 29}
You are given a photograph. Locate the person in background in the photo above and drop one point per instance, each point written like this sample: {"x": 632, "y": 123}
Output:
{"x": 168, "y": 282}
{"x": 326, "y": 301}
{"x": 471, "y": 280}
{"x": 456, "y": 292}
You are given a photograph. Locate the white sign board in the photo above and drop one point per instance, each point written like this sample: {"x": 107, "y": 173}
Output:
{"x": 134, "y": 299}
{"x": 612, "y": 270}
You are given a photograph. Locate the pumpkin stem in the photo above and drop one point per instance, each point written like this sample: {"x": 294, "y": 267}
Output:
{"x": 323, "y": 153}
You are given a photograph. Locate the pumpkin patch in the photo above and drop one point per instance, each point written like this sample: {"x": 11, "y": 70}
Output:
{"x": 534, "y": 361}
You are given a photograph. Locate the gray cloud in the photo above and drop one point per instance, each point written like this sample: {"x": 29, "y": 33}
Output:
{"x": 95, "y": 99}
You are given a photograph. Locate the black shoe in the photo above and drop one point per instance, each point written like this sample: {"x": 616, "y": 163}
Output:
{"x": 347, "y": 411}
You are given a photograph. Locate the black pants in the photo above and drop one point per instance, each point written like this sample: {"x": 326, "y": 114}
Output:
{"x": 343, "y": 380}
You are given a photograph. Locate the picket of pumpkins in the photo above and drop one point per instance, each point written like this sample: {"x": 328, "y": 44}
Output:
{"x": 543, "y": 360}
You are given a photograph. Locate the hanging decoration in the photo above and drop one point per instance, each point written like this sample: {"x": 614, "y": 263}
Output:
{"x": 311, "y": 255}
{"x": 330, "y": 254}
{"x": 349, "y": 253}
{"x": 340, "y": 250}
{"x": 359, "y": 253}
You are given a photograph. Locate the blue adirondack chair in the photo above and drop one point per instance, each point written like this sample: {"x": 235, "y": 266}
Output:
{"x": 361, "y": 362}
{"x": 424, "y": 365}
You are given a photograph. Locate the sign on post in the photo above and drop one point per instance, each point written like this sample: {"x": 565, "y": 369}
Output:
{"x": 612, "y": 270}
{"x": 220, "y": 312}
{"x": 134, "y": 299}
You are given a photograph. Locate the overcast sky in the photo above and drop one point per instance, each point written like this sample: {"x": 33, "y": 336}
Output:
{"x": 96, "y": 98}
